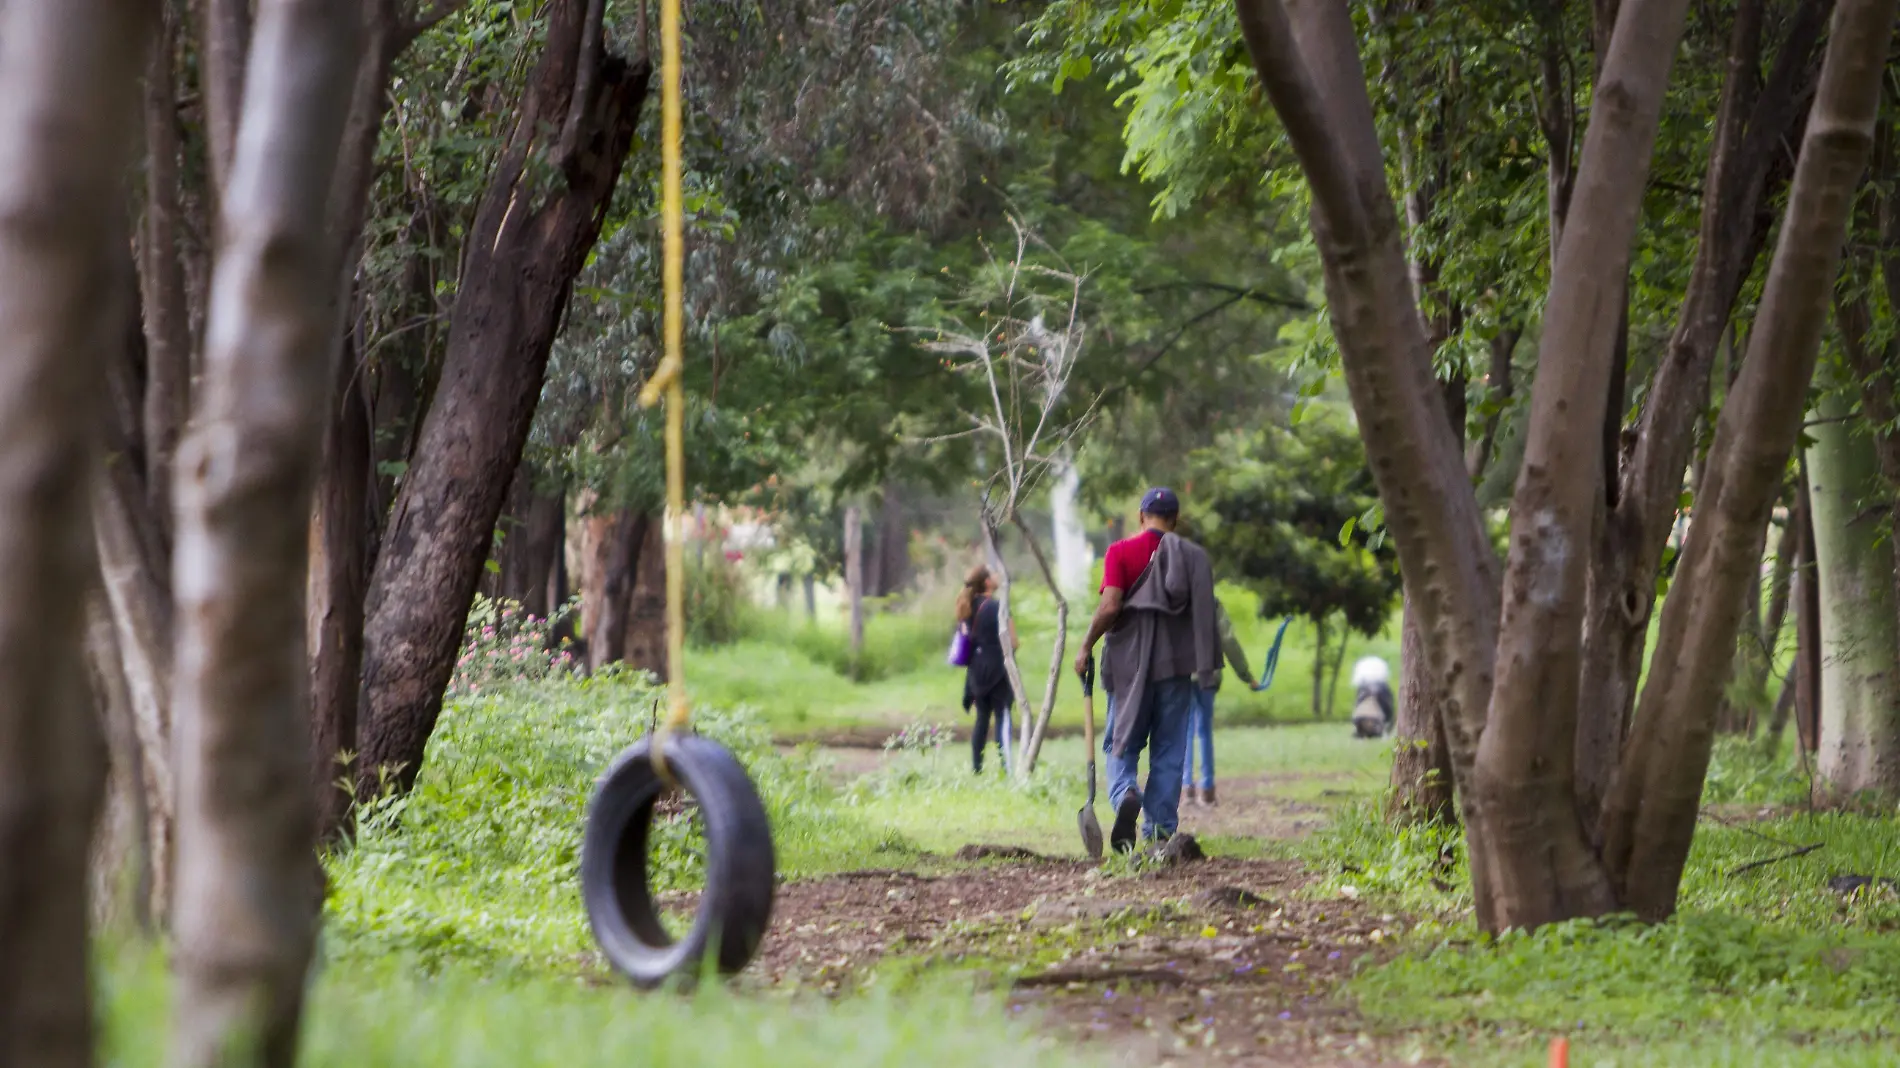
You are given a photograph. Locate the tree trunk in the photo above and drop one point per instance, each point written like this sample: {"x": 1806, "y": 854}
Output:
{"x": 1807, "y": 627}
{"x": 1626, "y": 553}
{"x": 1033, "y": 734}
{"x": 525, "y": 248}
{"x": 854, "y": 579}
{"x": 247, "y": 900}
{"x": 893, "y": 542}
{"x": 120, "y": 862}
{"x": 338, "y": 580}
{"x": 993, "y": 551}
{"x": 533, "y": 528}
{"x": 614, "y": 545}
{"x": 1338, "y": 665}
{"x": 1311, "y": 71}
{"x": 167, "y": 401}
{"x": 645, "y": 647}
{"x": 134, "y": 567}
{"x": 224, "y": 30}
{"x": 68, "y": 98}
{"x": 1651, "y": 817}
{"x": 1421, "y": 764}
{"x": 1860, "y": 661}
{"x": 1074, "y": 558}
{"x": 811, "y": 597}
{"x": 1319, "y": 667}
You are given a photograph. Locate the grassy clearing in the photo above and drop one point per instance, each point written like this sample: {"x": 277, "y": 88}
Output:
{"x": 799, "y": 674}
{"x": 455, "y": 936}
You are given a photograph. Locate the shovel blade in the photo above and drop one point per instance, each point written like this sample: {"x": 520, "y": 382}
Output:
{"x": 1091, "y": 832}
{"x": 1085, "y": 820}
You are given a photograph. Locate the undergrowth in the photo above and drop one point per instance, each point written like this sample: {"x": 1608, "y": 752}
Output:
{"x": 479, "y": 862}
{"x": 1764, "y": 952}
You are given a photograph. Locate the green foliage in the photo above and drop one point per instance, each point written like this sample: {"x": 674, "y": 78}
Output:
{"x": 1279, "y": 510}
{"x": 478, "y": 864}
{"x": 718, "y": 606}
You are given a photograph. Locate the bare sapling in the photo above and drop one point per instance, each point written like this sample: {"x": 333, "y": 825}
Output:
{"x": 1024, "y": 364}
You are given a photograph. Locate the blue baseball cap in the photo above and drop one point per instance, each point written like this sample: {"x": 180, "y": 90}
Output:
{"x": 1160, "y": 501}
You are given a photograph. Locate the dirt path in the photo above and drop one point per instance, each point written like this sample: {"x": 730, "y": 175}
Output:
{"x": 1219, "y": 960}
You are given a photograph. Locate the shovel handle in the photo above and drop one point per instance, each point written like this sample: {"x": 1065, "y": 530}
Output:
{"x": 1088, "y": 708}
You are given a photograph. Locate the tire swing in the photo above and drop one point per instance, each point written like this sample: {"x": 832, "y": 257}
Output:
{"x": 741, "y": 868}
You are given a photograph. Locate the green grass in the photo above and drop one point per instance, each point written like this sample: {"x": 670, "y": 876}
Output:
{"x": 799, "y": 674}
{"x": 381, "y": 1014}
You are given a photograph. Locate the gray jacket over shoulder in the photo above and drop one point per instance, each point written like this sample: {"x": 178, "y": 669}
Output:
{"x": 1167, "y": 629}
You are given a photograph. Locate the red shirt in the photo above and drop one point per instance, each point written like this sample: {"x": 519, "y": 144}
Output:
{"x": 1128, "y": 558}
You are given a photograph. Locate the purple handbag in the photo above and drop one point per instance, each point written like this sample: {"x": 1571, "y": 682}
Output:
{"x": 959, "y": 655}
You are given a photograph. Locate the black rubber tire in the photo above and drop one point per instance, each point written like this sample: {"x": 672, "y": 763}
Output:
{"x": 741, "y": 867}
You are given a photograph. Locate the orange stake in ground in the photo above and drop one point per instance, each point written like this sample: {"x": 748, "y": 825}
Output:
{"x": 1559, "y": 1053}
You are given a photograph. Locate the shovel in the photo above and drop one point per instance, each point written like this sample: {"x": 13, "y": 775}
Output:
{"x": 1085, "y": 819}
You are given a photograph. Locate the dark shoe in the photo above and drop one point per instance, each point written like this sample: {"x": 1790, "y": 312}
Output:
{"x": 1121, "y": 837}
{"x": 1207, "y": 796}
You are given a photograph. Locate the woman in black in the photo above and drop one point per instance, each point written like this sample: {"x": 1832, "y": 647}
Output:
{"x": 985, "y": 683}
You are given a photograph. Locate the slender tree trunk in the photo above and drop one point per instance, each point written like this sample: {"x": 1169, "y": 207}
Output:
{"x": 247, "y": 899}
{"x": 1860, "y": 661}
{"x": 1650, "y": 820}
{"x": 893, "y": 541}
{"x": 1005, "y": 616}
{"x": 338, "y": 582}
{"x": 1319, "y": 667}
{"x": 68, "y": 100}
{"x": 224, "y": 34}
{"x": 1309, "y": 66}
{"x": 134, "y": 564}
{"x": 1338, "y": 665}
{"x": 120, "y": 863}
{"x": 1626, "y": 554}
{"x": 532, "y": 528}
{"x": 1421, "y": 764}
{"x": 615, "y": 542}
{"x": 854, "y": 579}
{"x": 161, "y": 270}
{"x": 1074, "y": 558}
{"x": 525, "y": 248}
{"x": 1032, "y": 742}
{"x": 1807, "y": 627}
{"x": 645, "y": 646}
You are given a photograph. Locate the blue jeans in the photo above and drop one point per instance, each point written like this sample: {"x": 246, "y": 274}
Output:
{"x": 1201, "y": 736}
{"x": 1168, "y": 704}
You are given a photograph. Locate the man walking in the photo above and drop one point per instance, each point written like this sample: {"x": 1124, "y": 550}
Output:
{"x": 1158, "y": 614}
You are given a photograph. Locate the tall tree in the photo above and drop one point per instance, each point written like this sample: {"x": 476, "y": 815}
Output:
{"x": 531, "y": 236}
{"x": 1512, "y": 735}
{"x": 247, "y": 900}
{"x": 68, "y": 98}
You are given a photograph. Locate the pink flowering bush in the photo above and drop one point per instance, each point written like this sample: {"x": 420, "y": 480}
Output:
{"x": 503, "y": 644}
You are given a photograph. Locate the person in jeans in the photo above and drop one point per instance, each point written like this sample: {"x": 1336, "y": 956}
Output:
{"x": 986, "y": 686}
{"x": 1157, "y": 612}
{"x": 1201, "y": 716}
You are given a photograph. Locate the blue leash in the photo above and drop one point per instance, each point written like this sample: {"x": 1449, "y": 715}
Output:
{"x": 1273, "y": 657}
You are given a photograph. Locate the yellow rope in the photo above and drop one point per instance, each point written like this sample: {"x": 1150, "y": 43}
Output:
{"x": 666, "y": 380}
